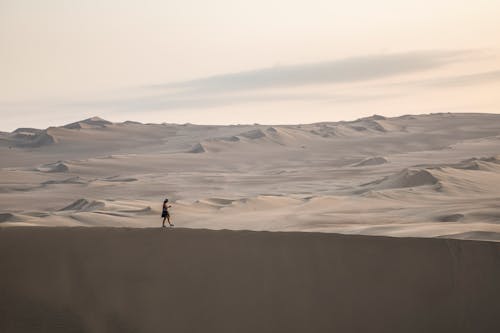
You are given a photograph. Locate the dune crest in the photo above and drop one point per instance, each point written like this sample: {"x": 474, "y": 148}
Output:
{"x": 451, "y": 218}
{"x": 59, "y": 166}
{"x": 8, "y": 217}
{"x": 30, "y": 138}
{"x": 377, "y": 160}
{"x": 71, "y": 180}
{"x": 94, "y": 122}
{"x": 197, "y": 149}
{"x": 84, "y": 205}
{"x": 411, "y": 177}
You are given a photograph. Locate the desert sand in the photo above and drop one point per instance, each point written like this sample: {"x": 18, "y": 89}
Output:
{"x": 309, "y": 207}
{"x": 194, "y": 280}
{"x": 429, "y": 175}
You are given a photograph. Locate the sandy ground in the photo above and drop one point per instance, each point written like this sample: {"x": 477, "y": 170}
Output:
{"x": 426, "y": 175}
{"x": 188, "y": 280}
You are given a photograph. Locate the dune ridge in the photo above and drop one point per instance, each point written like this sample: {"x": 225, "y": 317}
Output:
{"x": 377, "y": 160}
{"x": 411, "y": 177}
{"x": 30, "y": 138}
{"x": 84, "y": 205}
{"x": 58, "y": 166}
{"x": 93, "y": 122}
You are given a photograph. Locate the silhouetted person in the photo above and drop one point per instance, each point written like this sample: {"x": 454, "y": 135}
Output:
{"x": 165, "y": 214}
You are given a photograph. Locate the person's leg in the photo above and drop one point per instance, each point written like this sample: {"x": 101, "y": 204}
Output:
{"x": 168, "y": 218}
{"x": 163, "y": 224}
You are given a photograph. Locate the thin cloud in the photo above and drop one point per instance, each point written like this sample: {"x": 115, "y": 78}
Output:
{"x": 338, "y": 71}
{"x": 465, "y": 80}
{"x": 451, "y": 81}
{"x": 256, "y": 86}
{"x": 271, "y": 84}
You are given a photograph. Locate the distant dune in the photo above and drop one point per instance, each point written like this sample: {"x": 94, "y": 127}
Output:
{"x": 94, "y": 122}
{"x": 406, "y": 178}
{"x": 59, "y": 166}
{"x": 378, "y": 160}
{"x": 181, "y": 280}
{"x": 429, "y": 175}
{"x": 30, "y": 138}
{"x": 84, "y": 205}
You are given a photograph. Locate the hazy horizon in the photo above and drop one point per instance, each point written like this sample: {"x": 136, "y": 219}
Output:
{"x": 284, "y": 123}
{"x": 229, "y": 62}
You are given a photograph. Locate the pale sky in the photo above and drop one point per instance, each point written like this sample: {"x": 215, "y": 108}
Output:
{"x": 234, "y": 61}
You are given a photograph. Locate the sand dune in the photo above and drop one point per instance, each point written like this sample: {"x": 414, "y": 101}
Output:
{"x": 476, "y": 235}
{"x": 72, "y": 180}
{"x": 94, "y": 122}
{"x": 119, "y": 179}
{"x": 451, "y": 218}
{"x": 84, "y": 205}
{"x": 198, "y": 148}
{"x": 407, "y": 178}
{"x": 442, "y": 178}
{"x": 178, "y": 280}
{"x": 59, "y": 166}
{"x": 7, "y": 217}
{"x": 29, "y": 138}
{"x": 442, "y": 175}
{"x": 378, "y": 160}
{"x": 253, "y": 134}
{"x": 261, "y": 138}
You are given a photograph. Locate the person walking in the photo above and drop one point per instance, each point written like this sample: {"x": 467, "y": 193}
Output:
{"x": 165, "y": 214}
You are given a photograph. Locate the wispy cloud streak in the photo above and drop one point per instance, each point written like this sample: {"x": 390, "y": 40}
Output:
{"x": 465, "y": 80}
{"x": 338, "y": 71}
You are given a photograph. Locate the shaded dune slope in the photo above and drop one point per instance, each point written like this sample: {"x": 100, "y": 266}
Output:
{"x": 377, "y": 160}
{"x": 152, "y": 280}
{"x": 59, "y": 166}
{"x": 84, "y": 205}
{"x": 94, "y": 122}
{"x": 30, "y": 138}
{"x": 270, "y": 136}
{"x": 460, "y": 175}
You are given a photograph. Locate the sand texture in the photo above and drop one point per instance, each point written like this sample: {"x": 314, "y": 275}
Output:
{"x": 418, "y": 175}
{"x": 187, "y": 280}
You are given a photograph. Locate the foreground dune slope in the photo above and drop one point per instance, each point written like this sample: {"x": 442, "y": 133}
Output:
{"x": 153, "y": 280}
